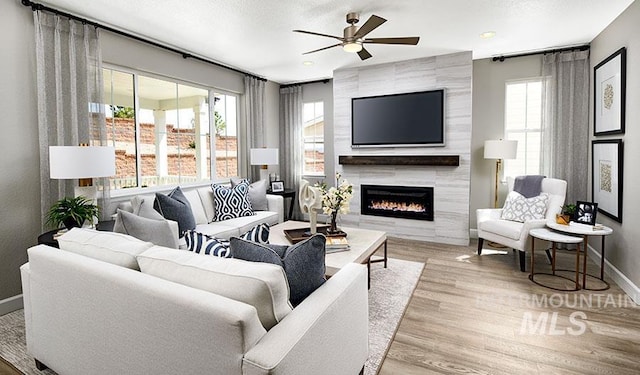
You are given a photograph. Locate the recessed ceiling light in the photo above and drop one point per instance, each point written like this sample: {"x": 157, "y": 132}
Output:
{"x": 307, "y": 63}
{"x": 488, "y": 34}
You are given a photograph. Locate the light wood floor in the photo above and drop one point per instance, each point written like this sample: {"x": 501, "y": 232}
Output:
{"x": 467, "y": 312}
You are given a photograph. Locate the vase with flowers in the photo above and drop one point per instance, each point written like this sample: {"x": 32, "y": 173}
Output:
{"x": 335, "y": 200}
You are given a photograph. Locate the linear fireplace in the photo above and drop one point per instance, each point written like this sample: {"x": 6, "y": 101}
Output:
{"x": 408, "y": 202}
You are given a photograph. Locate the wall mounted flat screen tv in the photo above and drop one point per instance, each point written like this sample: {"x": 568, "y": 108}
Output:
{"x": 398, "y": 120}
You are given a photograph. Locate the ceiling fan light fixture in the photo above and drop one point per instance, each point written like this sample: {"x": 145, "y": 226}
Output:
{"x": 487, "y": 34}
{"x": 352, "y": 47}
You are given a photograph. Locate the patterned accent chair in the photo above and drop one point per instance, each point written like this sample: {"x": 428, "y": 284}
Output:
{"x": 514, "y": 234}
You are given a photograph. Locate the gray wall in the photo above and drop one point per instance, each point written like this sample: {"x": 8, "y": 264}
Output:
{"x": 19, "y": 165}
{"x": 622, "y": 246}
{"x": 488, "y": 122}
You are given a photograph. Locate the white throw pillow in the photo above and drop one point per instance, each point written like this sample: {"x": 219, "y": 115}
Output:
{"x": 518, "y": 208}
{"x": 115, "y": 248}
{"x": 261, "y": 285}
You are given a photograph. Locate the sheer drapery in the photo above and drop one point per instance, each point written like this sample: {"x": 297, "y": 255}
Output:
{"x": 255, "y": 102}
{"x": 567, "y": 120}
{"x": 70, "y": 90}
{"x": 291, "y": 139}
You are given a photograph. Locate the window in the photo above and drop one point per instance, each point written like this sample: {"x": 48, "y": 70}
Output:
{"x": 162, "y": 131}
{"x": 313, "y": 139}
{"x": 523, "y": 123}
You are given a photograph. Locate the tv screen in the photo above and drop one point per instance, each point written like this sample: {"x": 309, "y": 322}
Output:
{"x": 411, "y": 119}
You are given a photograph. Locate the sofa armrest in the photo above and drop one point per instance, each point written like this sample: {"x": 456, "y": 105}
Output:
{"x": 484, "y": 214}
{"x": 276, "y": 204}
{"x": 326, "y": 334}
{"x": 531, "y": 224}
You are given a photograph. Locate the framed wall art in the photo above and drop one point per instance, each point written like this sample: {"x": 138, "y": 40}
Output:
{"x": 609, "y": 80}
{"x": 607, "y": 170}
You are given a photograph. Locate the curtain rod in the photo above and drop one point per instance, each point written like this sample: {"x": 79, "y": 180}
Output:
{"x": 555, "y": 50}
{"x": 185, "y": 55}
{"x": 325, "y": 80}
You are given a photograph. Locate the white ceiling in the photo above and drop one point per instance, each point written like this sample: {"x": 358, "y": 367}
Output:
{"x": 256, "y": 35}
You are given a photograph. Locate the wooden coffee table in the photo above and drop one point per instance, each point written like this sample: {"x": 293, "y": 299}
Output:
{"x": 363, "y": 244}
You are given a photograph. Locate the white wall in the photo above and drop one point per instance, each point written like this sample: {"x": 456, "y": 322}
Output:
{"x": 622, "y": 255}
{"x": 488, "y": 122}
{"x": 19, "y": 164}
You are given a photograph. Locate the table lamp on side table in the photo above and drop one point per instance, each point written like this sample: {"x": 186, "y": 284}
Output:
{"x": 264, "y": 157}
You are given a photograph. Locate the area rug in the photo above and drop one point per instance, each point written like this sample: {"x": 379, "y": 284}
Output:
{"x": 391, "y": 290}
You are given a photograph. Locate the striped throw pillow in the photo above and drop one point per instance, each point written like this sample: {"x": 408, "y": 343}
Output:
{"x": 201, "y": 243}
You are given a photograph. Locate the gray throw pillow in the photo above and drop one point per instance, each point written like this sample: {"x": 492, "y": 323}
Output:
{"x": 143, "y": 206}
{"x": 175, "y": 206}
{"x": 303, "y": 262}
{"x": 157, "y": 232}
{"x": 257, "y": 193}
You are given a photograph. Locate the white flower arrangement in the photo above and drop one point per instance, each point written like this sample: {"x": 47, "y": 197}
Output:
{"x": 336, "y": 199}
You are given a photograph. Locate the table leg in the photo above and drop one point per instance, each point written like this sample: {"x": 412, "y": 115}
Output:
{"x": 386, "y": 258}
{"x": 584, "y": 261}
{"x": 553, "y": 259}
{"x": 577, "y": 266}
{"x": 533, "y": 247}
{"x": 602, "y": 260}
{"x": 369, "y": 273}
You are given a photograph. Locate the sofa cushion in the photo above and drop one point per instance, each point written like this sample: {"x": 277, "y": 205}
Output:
{"x": 208, "y": 204}
{"x": 506, "y": 228}
{"x": 518, "y": 208}
{"x": 197, "y": 208}
{"x": 231, "y": 202}
{"x": 247, "y": 222}
{"x": 257, "y": 193}
{"x": 304, "y": 262}
{"x": 260, "y": 285}
{"x": 202, "y": 243}
{"x": 175, "y": 206}
{"x": 116, "y": 248}
{"x": 155, "y": 231}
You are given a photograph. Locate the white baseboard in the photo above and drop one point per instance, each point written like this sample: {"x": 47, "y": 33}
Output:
{"x": 618, "y": 277}
{"x": 11, "y": 304}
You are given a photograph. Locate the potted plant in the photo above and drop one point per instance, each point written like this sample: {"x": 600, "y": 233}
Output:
{"x": 72, "y": 212}
{"x": 567, "y": 213}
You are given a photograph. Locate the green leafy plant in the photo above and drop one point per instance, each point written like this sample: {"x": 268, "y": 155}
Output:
{"x": 569, "y": 209}
{"x": 72, "y": 212}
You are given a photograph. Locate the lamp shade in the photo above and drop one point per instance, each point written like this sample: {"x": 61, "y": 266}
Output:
{"x": 70, "y": 162}
{"x": 500, "y": 149}
{"x": 264, "y": 156}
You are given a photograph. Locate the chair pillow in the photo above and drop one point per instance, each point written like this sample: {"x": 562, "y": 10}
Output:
{"x": 303, "y": 263}
{"x": 263, "y": 286}
{"x": 231, "y": 202}
{"x": 155, "y": 231}
{"x": 257, "y": 193}
{"x": 175, "y": 206}
{"x": 518, "y": 208}
{"x": 116, "y": 248}
{"x": 205, "y": 244}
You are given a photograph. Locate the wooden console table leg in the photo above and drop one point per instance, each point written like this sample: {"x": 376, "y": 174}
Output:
{"x": 553, "y": 259}
{"x": 602, "y": 260}
{"x": 584, "y": 262}
{"x": 577, "y": 266}
{"x": 385, "y": 251}
{"x": 533, "y": 262}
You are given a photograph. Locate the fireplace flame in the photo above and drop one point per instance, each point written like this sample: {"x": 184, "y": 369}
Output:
{"x": 396, "y": 206}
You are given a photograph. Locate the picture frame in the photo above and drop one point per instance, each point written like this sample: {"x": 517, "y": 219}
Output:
{"x": 609, "y": 80}
{"x": 277, "y": 186}
{"x": 607, "y": 176}
{"x": 586, "y": 213}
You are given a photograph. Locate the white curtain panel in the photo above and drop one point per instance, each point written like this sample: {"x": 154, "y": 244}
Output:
{"x": 291, "y": 140}
{"x": 567, "y": 120}
{"x": 70, "y": 97}
{"x": 254, "y": 89}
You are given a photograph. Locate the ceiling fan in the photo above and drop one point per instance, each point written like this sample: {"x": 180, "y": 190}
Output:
{"x": 354, "y": 37}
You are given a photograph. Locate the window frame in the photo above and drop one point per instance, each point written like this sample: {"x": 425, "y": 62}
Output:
{"x": 212, "y": 91}
{"x": 324, "y": 160}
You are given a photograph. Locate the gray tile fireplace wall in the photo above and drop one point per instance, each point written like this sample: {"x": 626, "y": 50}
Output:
{"x": 450, "y": 183}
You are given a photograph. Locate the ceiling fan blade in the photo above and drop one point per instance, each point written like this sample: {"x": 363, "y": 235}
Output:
{"x": 318, "y": 34}
{"x": 372, "y": 23}
{"x": 364, "y": 54}
{"x": 323, "y": 48}
{"x": 413, "y": 40}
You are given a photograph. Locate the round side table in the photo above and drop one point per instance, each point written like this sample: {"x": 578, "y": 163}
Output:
{"x": 584, "y": 231}
{"x": 554, "y": 237}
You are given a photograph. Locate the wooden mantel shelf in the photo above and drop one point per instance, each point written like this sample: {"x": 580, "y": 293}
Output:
{"x": 433, "y": 160}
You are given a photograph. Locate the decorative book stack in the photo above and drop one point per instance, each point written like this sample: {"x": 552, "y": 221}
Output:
{"x": 336, "y": 244}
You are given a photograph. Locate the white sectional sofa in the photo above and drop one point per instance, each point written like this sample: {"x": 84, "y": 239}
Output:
{"x": 102, "y": 316}
{"x": 203, "y": 208}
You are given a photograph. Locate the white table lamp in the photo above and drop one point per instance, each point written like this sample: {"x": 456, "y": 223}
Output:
{"x": 264, "y": 157}
{"x": 499, "y": 150}
{"x": 83, "y": 163}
